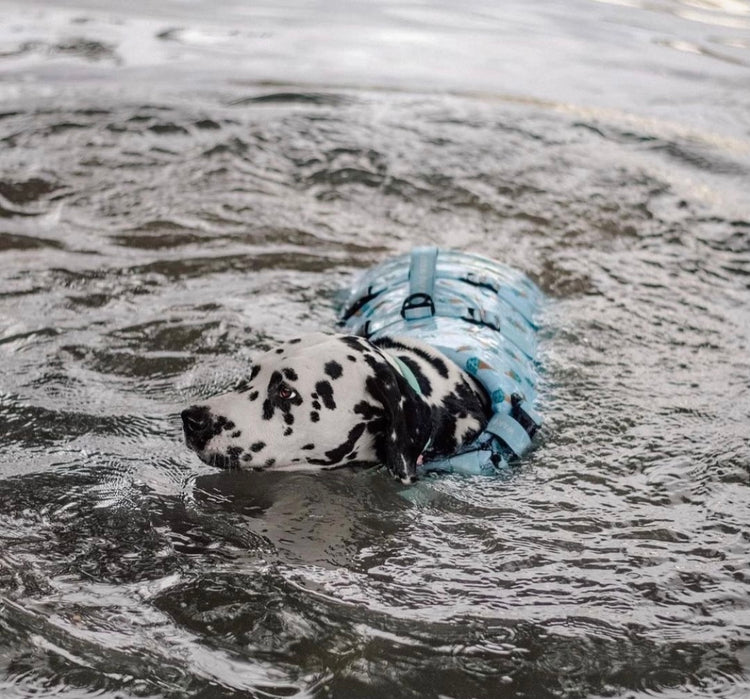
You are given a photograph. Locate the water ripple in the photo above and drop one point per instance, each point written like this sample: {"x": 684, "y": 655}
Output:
{"x": 166, "y": 240}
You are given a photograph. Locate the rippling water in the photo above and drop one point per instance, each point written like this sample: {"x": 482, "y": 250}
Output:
{"x": 181, "y": 187}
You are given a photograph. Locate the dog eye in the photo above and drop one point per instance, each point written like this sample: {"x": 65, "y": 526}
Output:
{"x": 287, "y": 393}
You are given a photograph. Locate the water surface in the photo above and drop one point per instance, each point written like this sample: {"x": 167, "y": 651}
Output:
{"x": 180, "y": 187}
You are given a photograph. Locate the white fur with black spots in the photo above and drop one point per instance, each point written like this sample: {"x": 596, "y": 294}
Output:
{"x": 329, "y": 401}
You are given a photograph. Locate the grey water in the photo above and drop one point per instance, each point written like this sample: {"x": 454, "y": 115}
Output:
{"x": 184, "y": 183}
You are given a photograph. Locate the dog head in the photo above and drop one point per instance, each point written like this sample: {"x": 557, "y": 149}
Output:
{"x": 322, "y": 401}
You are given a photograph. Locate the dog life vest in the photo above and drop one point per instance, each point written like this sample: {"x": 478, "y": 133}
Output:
{"x": 477, "y": 312}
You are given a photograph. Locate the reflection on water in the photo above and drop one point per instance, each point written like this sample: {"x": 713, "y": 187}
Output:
{"x": 173, "y": 200}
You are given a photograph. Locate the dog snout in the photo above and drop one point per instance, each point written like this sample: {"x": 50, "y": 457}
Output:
{"x": 197, "y": 425}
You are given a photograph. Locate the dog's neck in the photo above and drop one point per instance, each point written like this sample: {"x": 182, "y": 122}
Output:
{"x": 464, "y": 409}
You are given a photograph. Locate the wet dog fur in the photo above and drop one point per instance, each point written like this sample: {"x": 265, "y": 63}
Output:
{"x": 329, "y": 401}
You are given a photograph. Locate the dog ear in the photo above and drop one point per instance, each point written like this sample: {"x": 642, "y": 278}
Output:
{"x": 406, "y": 425}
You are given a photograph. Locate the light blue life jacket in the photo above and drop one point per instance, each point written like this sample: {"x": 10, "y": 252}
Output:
{"x": 477, "y": 312}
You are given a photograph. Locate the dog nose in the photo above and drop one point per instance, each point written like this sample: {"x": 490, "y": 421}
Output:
{"x": 197, "y": 425}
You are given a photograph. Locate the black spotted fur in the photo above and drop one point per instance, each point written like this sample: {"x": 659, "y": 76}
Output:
{"x": 328, "y": 401}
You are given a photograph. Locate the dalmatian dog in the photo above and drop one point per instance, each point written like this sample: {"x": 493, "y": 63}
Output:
{"x": 329, "y": 401}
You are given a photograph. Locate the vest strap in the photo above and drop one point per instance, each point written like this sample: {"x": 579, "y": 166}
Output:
{"x": 407, "y": 373}
{"x": 504, "y": 427}
{"x": 420, "y": 304}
